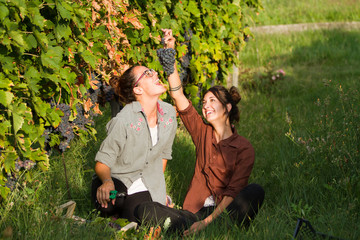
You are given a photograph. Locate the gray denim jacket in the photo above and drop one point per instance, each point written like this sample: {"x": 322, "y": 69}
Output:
{"x": 128, "y": 149}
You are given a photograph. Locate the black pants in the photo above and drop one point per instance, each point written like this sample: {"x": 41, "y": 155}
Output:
{"x": 124, "y": 207}
{"x": 242, "y": 210}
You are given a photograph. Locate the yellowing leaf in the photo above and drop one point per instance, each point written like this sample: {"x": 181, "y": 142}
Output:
{"x": 97, "y": 109}
{"x": 136, "y": 23}
{"x": 96, "y": 5}
{"x": 87, "y": 105}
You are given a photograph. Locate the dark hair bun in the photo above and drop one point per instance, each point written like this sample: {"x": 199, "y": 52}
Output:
{"x": 235, "y": 95}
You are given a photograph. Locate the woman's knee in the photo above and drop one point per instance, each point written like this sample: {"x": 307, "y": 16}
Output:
{"x": 146, "y": 211}
{"x": 257, "y": 193}
{"x": 248, "y": 201}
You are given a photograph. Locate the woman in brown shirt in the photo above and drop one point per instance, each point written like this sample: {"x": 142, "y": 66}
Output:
{"x": 224, "y": 159}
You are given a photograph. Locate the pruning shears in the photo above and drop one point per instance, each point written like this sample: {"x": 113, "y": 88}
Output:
{"x": 115, "y": 194}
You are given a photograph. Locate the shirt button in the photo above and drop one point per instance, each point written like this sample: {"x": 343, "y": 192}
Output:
{"x": 150, "y": 149}
{"x": 140, "y": 174}
{"x": 146, "y": 162}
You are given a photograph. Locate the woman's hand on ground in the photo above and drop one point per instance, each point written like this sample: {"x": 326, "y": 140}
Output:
{"x": 103, "y": 193}
{"x": 196, "y": 227}
{"x": 168, "y": 38}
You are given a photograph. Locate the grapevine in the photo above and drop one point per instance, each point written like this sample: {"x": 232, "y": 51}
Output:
{"x": 56, "y": 58}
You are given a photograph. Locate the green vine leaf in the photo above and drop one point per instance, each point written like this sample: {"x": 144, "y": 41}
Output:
{"x": 4, "y": 128}
{"x": 17, "y": 121}
{"x": 18, "y": 38}
{"x": 64, "y": 13}
{"x": 192, "y": 90}
{"x": 6, "y": 98}
{"x": 193, "y": 8}
{"x": 9, "y": 161}
{"x": 52, "y": 58}
{"x": 89, "y": 58}
{"x": 62, "y": 31}
{"x": 4, "y": 12}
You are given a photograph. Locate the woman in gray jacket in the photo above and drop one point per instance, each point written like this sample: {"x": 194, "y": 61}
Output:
{"x": 139, "y": 141}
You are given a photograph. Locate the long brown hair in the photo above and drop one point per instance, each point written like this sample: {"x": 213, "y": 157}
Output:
{"x": 123, "y": 85}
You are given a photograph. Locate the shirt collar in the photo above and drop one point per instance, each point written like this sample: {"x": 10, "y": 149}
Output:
{"x": 138, "y": 108}
{"x": 230, "y": 141}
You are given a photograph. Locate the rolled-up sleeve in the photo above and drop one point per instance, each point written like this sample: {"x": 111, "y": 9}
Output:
{"x": 113, "y": 143}
{"x": 193, "y": 123}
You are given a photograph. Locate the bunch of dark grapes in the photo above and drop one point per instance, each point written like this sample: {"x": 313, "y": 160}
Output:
{"x": 188, "y": 34}
{"x": 163, "y": 41}
{"x": 184, "y": 74}
{"x": 185, "y": 60}
{"x": 65, "y": 109}
{"x": 65, "y": 127}
{"x": 11, "y": 182}
{"x": 107, "y": 95}
{"x": 80, "y": 120}
{"x": 46, "y": 134}
{"x": 27, "y": 165}
{"x": 167, "y": 59}
{"x": 94, "y": 95}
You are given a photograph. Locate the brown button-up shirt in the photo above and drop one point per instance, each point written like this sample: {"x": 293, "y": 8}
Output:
{"x": 222, "y": 168}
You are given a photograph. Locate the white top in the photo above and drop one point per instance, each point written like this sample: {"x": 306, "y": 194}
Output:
{"x": 138, "y": 185}
{"x": 154, "y": 134}
{"x": 209, "y": 201}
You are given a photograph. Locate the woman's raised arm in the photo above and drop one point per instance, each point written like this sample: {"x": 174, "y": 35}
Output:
{"x": 176, "y": 90}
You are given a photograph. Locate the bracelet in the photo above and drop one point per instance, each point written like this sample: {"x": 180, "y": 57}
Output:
{"x": 107, "y": 179}
{"x": 175, "y": 88}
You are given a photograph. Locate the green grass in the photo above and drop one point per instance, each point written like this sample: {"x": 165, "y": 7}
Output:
{"x": 277, "y": 12}
{"x": 317, "y": 184}
{"x": 304, "y": 128}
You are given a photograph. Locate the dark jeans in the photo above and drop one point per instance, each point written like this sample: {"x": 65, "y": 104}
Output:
{"x": 124, "y": 207}
{"x": 242, "y": 210}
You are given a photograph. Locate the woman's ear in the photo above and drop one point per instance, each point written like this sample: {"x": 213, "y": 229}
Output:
{"x": 228, "y": 107}
{"x": 138, "y": 90}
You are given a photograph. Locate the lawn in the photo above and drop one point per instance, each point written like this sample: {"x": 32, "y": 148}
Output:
{"x": 304, "y": 126}
{"x": 277, "y": 12}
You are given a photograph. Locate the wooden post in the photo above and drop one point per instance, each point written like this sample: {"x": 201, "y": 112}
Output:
{"x": 70, "y": 206}
{"x": 233, "y": 77}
